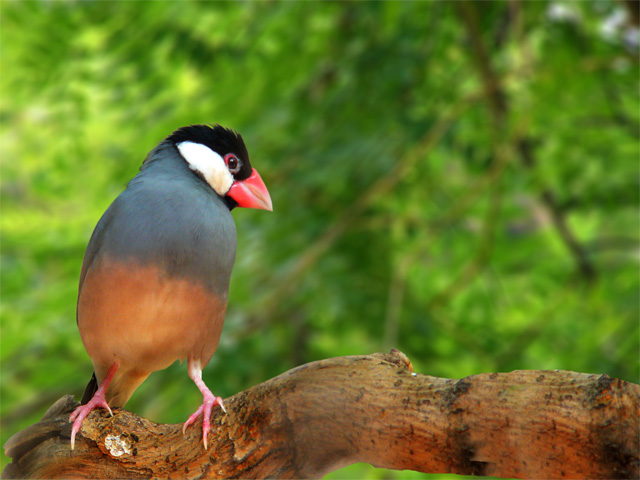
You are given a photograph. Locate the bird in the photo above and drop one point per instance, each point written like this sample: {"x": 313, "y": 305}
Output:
{"x": 154, "y": 281}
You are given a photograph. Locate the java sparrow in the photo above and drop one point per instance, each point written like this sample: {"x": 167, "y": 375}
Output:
{"x": 155, "y": 277}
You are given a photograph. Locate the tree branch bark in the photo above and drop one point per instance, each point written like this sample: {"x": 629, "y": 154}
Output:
{"x": 328, "y": 414}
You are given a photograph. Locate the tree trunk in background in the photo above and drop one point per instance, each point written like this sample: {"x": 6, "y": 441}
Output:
{"x": 325, "y": 415}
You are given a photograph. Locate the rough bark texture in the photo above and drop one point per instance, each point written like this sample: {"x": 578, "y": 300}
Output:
{"x": 328, "y": 414}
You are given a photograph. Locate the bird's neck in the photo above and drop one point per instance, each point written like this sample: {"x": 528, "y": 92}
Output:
{"x": 165, "y": 159}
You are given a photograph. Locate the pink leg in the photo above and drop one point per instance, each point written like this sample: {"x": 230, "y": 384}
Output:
{"x": 208, "y": 401}
{"x": 98, "y": 400}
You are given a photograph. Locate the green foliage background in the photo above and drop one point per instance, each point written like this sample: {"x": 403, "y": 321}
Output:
{"x": 416, "y": 207}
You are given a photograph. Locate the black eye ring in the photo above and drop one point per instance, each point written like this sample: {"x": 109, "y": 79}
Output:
{"x": 234, "y": 164}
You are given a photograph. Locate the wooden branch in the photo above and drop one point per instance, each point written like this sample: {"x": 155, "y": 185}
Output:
{"x": 328, "y": 414}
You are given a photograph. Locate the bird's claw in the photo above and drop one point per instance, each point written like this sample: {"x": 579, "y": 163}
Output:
{"x": 80, "y": 413}
{"x": 192, "y": 418}
{"x": 207, "y": 406}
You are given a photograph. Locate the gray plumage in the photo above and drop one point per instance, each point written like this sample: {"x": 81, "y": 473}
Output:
{"x": 169, "y": 216}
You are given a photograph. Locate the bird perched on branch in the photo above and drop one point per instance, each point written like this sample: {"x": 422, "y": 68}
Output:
{"x": 155, "y": 277}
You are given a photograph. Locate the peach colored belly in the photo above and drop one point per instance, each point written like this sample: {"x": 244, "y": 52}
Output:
{"x": 140, "y": 317}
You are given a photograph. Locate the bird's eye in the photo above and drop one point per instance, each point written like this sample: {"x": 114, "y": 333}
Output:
{"x": 234, "y": 164}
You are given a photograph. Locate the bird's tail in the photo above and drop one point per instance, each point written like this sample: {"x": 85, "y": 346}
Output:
{"x": 90, "y": 390}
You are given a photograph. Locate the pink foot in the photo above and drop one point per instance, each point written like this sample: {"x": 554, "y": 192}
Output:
{"x": 208, "y": 401}
{"x": 80, "y": 413}
{"x": 97, "y": 401}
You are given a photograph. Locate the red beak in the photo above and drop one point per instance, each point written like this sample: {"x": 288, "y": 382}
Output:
{"x": 251, "y": 193}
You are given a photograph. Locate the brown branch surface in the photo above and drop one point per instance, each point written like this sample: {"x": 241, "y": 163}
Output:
{"x": 328, "y": 414}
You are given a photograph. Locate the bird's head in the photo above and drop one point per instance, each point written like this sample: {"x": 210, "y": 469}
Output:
{"x": 219, "y": 156}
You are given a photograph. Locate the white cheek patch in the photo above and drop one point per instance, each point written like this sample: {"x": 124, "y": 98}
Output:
{"x": 209, "y": 164}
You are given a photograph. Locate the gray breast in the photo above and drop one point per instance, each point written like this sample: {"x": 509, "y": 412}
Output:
{"x": 169, "y": 217}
